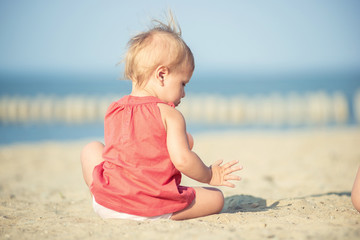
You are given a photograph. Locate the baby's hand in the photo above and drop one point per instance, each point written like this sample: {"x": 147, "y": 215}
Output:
{"x": 221, "y": 174}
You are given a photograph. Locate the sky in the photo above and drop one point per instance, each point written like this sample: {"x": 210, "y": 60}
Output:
{"x": 238, "y": 35}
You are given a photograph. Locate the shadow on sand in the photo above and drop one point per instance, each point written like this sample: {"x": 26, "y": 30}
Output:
{"x": 246, "y": 203}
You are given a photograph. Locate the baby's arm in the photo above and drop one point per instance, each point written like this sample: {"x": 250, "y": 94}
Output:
{"x": 188, "y": 162}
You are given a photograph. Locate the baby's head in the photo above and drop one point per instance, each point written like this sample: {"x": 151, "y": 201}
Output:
{"x": 161, "y": 45}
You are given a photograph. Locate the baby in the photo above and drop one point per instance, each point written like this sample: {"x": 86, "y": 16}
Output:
{"x": 355, "y": 193}
{"x": 137, "y": 173}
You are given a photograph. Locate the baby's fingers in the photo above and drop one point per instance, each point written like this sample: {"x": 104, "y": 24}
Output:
{"x": 228, "y": 184}
{"x": 233, "y": 169}
{"x": 218, "y": 162}
{"x": 232, "y": 177}
{"x": 230, "y": 164}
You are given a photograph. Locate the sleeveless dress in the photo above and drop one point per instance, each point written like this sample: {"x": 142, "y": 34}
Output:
{"x": 137, "y": 176}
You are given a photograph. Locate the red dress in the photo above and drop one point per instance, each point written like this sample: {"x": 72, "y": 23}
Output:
{"x": 137, "y": 176}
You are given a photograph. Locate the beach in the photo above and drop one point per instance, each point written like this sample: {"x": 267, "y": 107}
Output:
{"x": 296, "y": 184}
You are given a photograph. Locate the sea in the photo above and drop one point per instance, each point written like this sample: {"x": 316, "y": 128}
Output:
{"x": 223, "y": 84}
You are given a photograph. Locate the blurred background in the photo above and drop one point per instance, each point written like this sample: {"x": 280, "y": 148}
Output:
{"x": 260, "y": 65}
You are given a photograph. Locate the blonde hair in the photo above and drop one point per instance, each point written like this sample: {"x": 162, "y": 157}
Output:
{"x": 162, "y": 44}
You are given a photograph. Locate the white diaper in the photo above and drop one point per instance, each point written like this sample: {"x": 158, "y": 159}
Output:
{"x": 107, "y": 213}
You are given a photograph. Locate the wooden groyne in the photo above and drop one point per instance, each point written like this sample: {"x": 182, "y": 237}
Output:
{"x": 314, "y": 108}
{"x": 52, "y": 109}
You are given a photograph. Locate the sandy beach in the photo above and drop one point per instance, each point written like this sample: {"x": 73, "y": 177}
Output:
{"x": 295, "y": 185}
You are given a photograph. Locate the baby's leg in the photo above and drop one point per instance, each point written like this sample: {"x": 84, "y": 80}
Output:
{"x": 355, "y": 193}
{"x": 208, "y": 201}
{"x": 91, "y": 155}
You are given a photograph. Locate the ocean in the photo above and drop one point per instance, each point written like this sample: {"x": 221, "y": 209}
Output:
{"x": 250, "y": 95}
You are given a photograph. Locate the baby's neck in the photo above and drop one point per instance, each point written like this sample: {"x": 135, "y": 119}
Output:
{"x": 142, "y": 91}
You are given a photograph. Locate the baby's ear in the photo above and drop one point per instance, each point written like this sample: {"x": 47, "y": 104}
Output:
{"x": 161, "y": 74}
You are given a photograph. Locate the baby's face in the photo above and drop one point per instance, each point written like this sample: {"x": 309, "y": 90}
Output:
{"x": 175, "y": 85}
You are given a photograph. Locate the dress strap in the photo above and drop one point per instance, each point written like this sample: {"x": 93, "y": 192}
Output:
{"x": 171, "y": 104}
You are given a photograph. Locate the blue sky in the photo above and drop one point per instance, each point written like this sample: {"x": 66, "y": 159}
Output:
{"x": 89, "y": 35}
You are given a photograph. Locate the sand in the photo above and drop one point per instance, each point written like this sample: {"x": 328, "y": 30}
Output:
{"x": 295, "y": 185}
